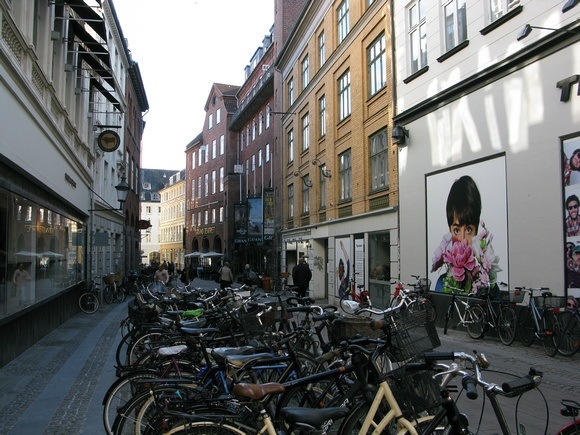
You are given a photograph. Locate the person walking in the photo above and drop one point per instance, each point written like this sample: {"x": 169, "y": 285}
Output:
{"x": 161, "y": 278}
{"x": 301, "y": 274}
{"x": 249, "y": 276}
{"x": 20, "y": 280}
{"x": 226, "y": 276}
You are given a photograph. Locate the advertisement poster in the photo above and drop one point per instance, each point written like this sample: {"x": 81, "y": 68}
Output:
{"x": 467, "y": 227}
{"x": 240, "y": 223}
{"x": 268, "y": 214}
{"x": 255, "y": 220}
{"x": 343, "y": 266}
{"x": 571, "y": 182}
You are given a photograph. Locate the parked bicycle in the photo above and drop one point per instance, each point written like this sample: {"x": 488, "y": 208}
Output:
{"x": 414, "y": 297}
{"x": 465, "y": 315}
{"x": 112, "y": 292}
{"x": 569, "y": 320}
{"x": 538, "y": 320}
{"x": 570, "y": 408}
{"x": 89, "y": 300}
{"x": 499, "y": 316}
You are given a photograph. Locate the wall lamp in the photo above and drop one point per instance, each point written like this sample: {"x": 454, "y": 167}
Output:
{"x": 399, "y": 135}
{"x": 325, "y": 172}
{"x": 528, "y": 29}
{"x": 122, "y": 191}
{"x": 569, "y": 5}
{"x": 305, "y": 180}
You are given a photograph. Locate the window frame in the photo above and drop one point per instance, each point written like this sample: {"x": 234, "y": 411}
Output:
{"x": 322, "y": 116}
{"x": 345, "y": 175}
{"x": 344, "y": 103}
{"x": 377, "y": 65}
{"x": 321, "y": 49}
{"x": 290, "y": 89}
{"x": 290, "y": 140}
{"x": 305, "y": 123}
{"x": 378, "y": 155}
{"x": 342, "y": 20}
{"x": 417, "y": 36}
{"x": 459, "y": 32}
{"x": 291, "y": 201}
{"x": 305, "y": 72}
{"x": 305, "y": 194}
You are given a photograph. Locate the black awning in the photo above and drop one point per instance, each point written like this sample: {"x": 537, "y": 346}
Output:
{"x": 92, "y": 46}
{"x": 90, "y": 16}
{"x": 108, "y": 94}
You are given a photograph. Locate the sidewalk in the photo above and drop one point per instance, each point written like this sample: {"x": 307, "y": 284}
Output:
{"x": 57, "y": 386}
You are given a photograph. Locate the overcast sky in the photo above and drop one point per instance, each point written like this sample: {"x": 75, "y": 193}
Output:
{"x": 182, "y": 48}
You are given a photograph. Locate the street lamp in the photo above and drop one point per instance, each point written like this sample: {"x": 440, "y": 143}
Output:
{"x": 122, "y": 191}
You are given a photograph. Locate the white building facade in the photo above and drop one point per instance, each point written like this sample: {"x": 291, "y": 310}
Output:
{"x": 481, "y": 100}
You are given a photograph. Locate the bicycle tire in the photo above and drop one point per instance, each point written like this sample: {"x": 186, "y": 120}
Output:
{"x": 206, "y": 428}
{"x": 120, "y": 294}
{"x": 526, "y": 327}
{"x": 144, "y": 344}
{"x": 475, "y": 321}
{"x": 88, "y": 303}
{"x": 108, "y": 294}
{"x": 120, "y": 392}
{"x": 551, "y": 332}
{"x": 569, "y": 333}
{"x": 423, "y": 304}
{"x": 448, "y": 316}
{"x": 507, "y": 325}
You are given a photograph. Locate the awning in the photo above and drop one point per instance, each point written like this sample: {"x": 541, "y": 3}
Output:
{"x": 92, "y": 46}
{"x": 193, "y": 255}
{"x": 108, "y": 94}
{"x": 89, "y": 15}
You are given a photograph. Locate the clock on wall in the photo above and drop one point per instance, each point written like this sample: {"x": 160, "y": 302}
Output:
{"x": 108, "y": 141}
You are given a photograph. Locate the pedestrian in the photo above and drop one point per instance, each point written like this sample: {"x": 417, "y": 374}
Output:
{"x": 301, "y": 274}
{"x": 249, "y": 276}
{"x": 161, "y": 278}
{"x": 20, "y": 279}
{"x": 226, "y": 276}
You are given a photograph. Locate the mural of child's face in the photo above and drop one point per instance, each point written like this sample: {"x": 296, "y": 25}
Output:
{"x": 462, "y": 232}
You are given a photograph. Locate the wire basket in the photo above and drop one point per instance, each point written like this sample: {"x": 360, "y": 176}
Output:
{"x": 109, "y": 279}
{"x": 423, "y": 285}
{"x": 412, "y": 333}
{"x": 513, "y": 296}
{"x": 415, "y": 390}
{"x": 550, "y": 301}
{"x": 348, "y": 327}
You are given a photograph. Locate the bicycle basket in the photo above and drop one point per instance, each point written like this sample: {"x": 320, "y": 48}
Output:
{"x": 415, "y": 391}
{"x": 412, "y": 334}
{"x": 550, "y": 301}
{"x": 513, "y": 296}
{"x": 348, "y": 327}
{"x": 424, "y": 284}
{"x": 109, "y": 279}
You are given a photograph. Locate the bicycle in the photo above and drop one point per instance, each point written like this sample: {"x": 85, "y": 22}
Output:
{"x": 502, "y": 317}
{"x": 569, "y": 320}
{"x": 570, "y": 409}
{"x": 465, "y": 319}
{"x": 414, "y": 298}
{"x": 538, "y": 320}
{"x": 111, "y": 291}
{"x": 89, "y": 300}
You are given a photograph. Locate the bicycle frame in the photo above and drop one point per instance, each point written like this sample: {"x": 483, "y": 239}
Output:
{"x": 454, "y": 306}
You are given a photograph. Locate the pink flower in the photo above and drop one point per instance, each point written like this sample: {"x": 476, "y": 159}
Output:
{"x": 460, "y": 259}
{"x": 440, "y": 251}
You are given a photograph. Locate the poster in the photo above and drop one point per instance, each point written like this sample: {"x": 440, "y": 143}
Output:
{"x": 255, "y": 220}
{"x": 467, "y": 227}
{"x": 343, "y": 266}
{"x": 571, "y": 205}
{"x": 269, "y": 222}
{"x": 240, "y": 222}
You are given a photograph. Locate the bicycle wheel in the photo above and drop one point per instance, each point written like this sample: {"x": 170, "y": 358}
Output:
{"x": 551, "y": 332}
{"x": 569, "y": 333}
{"x": 395, "y": 301}
{"x": 143, "y": 345}
{"x": 88, "y": 303}
{"x": 108, "y": 294}
{"x": 526, "y": 326}
{"x": 448, "y": 316}
{"x": 475, "y": 321}
{"x": 423, "y": 304}
{"x": 120, "y": 294}
{"x": 507, "y": 324}
{"x": 206, "y": 428}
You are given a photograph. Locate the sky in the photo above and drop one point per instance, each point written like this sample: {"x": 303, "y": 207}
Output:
{"x": 182, "y": 48}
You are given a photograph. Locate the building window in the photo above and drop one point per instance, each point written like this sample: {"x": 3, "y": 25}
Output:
{"x": 260, "y": 161}
{"x": 210, "y": 122}
{"x": 200, "y": 156}
{"x": 206, "y": 153}
{"x": 305, "y": 134}
{"x": 222, "y": 145}
{"x": 290, "y": 92}
{"x": 222, "y": 176}
{"x": 268, "y": 114}
{"x": 418, "y": 35}
{"x": 376, "y": 56}
{"x": 247, "y": 136}
{"x": 206, "y": 217}
{"x": 213, "y": 215}
{"x": 213, "y": 182}
{"x": 322, "y": 187}
{"x": 344, "y": 95}
{"x": 345, "y": 174}
{"x": 455, "y": 15}
{"x": 193, "y": 189}
{"x": 253, "y": 162}
{"x": 193, "y": 160}
{"x": 343, "y": 21}
{"x": 498, "y": 8}
{"x": 291, "y": 201}
{"x": 214, "y": 149}
{"x": 206, "y": 179}
{"x": 260, "y": 123}
{"x": 305, "y": 195}
{"x": 322, "y": 116}
{"x": 267, "y": 152}
{"x": 305, "y": 72}
{"x": 321, "y": 52}
{"x": 379, "y": 160}
{"x": 290, "y": 146}
{"x": 221, "y": 214}
{"x": 199, "y": 221}
{"x": 254, "y": 129}
{"x": 218, "y": 116}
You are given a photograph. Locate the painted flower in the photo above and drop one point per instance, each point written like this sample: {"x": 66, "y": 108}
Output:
{"x": 460, "y": 259}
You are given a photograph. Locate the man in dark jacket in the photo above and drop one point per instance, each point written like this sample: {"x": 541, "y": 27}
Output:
{"x": 301, "y": 275}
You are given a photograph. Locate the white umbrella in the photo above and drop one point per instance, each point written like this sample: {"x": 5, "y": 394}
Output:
{"x": 193, "y": 254}
{"x": 211, "y": 254}
{"x": 26, "y": 254}
{"x": 51, "y": 254}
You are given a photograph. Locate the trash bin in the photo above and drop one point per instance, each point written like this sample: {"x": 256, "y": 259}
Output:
{"x": 266, "y": 284}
